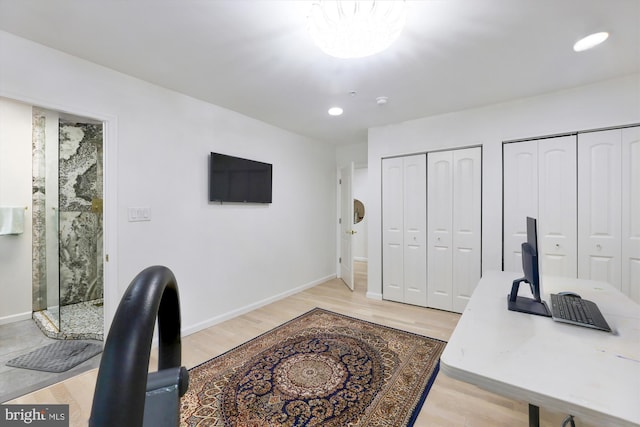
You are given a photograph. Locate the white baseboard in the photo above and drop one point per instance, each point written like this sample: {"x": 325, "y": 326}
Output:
{"x": 361, "y": 258}
{"x": 15, "y": 318}
{"x": 237, "y": 312}
{"x": 374, "y": 295}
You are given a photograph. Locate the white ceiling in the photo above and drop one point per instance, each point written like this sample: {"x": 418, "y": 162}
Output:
{"x": 255, "y": 57}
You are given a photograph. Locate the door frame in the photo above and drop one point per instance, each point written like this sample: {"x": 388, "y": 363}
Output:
{"x": 342, "y": 217}
{"x": 110, "y": 182}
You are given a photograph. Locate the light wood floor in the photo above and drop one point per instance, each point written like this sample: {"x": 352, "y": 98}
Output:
{"x": 450, "y": 402}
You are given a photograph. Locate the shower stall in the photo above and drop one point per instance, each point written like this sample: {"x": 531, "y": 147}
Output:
{"x": 67, "y": 225}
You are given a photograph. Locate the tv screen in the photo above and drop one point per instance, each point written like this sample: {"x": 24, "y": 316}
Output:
{"x": 233, "y": 179}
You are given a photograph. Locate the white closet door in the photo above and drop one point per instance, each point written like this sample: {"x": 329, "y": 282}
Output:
{"x": 467, "y": 203}
{"x": 520, "y": 183}
{"x": 557, "y": 204}
{"x": 440, "y": 226}
{"x": 599, "y": 206}
{"x": 392, "y": 229}
{"x": 415, "y": 229}
{"x": 631, "y": 212}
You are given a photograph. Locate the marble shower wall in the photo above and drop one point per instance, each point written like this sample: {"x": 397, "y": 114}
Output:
{"x": 80, "y": 210}
{"x": 38, "y": 253}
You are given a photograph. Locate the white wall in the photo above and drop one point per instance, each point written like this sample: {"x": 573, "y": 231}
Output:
{"x": 610, "y": 103}
{"x": 15, "y": 190}
{"x": 356, "y": 153}
{"x": 226, "y": 258}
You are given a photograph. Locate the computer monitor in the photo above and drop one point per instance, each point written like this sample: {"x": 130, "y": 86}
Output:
{"x": 532, "y": 233}
{"x": 530, "y": 261}
{"x": 531, "y": 270}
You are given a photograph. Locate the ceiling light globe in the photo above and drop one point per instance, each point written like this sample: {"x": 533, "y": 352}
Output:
{"x": 335, "y": 111}
{"x": 355, "y": 29}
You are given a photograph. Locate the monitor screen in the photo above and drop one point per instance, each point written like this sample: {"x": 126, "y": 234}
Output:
{"x": 531, "y": 269}
{"x": 234, "y": 179}
{"x": 532, "y": 233}
{"x": 530, "y": 258}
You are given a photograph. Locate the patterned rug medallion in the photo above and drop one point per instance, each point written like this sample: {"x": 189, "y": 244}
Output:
{"x": 319, "y": 369}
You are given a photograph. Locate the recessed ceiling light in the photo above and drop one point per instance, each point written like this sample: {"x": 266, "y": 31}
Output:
{"x": 335, "y": 111}
{"x": 590, "y": 41}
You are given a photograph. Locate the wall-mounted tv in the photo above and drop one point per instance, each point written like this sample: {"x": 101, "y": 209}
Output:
{"x": 233, "y": 179}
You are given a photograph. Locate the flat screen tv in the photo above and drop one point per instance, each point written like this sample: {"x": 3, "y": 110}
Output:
{"x": 234, "y": 179}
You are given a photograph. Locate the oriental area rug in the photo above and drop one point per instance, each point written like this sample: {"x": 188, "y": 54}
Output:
{"x": 319, "y": 369}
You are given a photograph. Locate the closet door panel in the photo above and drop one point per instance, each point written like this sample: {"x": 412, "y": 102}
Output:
{"x": 393, "y": 283}
{"x": 440, "y": 224}
{"x": 599, "y": 206}
{"x": 467, "y": 199}
{"x": 415, "y": 229}
{"x": 520, "y": 183}
{"x": 557, "y": 206}
{"x": 631, "y": 212}
{"x": 392, "y": 229}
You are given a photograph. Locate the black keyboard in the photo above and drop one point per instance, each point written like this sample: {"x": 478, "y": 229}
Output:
{"x": 577, "y": 311}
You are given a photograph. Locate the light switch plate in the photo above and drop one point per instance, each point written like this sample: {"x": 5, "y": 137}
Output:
{"x": 139, "y": 214}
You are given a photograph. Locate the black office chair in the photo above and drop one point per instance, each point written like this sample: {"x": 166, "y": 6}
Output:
{"x": 126, "y": 395}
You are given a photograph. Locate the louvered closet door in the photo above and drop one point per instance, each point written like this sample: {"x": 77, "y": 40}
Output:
{"x": 631, "y": 212}
{"x": 599, "y": 206}
{"x": 557, "y": 204}
{"x": 440, "y": 229}
{"x": 467, "y": 204}
{"x": 393, "y": 229}
{"x": 415, "y": 229}
{"x": 520, "y": 183}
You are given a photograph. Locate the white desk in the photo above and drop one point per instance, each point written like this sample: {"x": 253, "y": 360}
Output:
{"x": 591, "y": 374}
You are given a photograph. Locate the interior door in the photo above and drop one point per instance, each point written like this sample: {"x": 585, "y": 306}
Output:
{"x": 346, "y": 225}
{"x": 557, "y": 189}
{"x": 520, "y": 183}
{"x": 599, "y": 206}
{"x": 440, "y": 229}
{"x": 415, "y": 228}
{"x": 467, "y": 225}
{"x": 392, "y": 229}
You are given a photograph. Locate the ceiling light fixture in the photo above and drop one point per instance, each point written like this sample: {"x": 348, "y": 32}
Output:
{"x": 355, "y": 29}
{"x": 335, "y": 111}
{"x": 590, "y": 41}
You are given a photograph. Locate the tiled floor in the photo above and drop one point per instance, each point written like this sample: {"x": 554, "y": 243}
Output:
{"x": 81, "y": 321}
{"x": 17, "y": 339}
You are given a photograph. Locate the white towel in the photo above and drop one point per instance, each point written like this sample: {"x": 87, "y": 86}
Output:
{"x": 11, "y": 220}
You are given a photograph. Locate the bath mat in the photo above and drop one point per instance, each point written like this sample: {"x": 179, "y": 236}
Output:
{"x": 320, "y": 369}
{"x": 57, "y": 357}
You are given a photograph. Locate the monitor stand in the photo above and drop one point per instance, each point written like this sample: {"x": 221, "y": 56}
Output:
{"x": 526, "y": 305}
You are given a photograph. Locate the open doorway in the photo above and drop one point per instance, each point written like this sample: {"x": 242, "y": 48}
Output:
{"x": 35, "y": 279}
{"x": 68, "y": 232}
{"x": 352, "y": 211}
{"x": 360, "y": 219}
